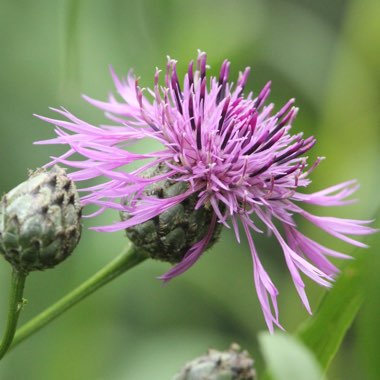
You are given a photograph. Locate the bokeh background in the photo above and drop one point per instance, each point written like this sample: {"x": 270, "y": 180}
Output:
{"x": 325, "y": 53}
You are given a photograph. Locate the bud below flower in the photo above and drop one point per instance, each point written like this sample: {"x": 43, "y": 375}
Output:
{"x": 216, "y": 365}
{"x": 171, "y": 234}
{"x": 40, "y": 221}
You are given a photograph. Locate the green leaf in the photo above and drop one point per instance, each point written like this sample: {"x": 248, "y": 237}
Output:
{"x": 287, "y": 358}
{"x": 323, "y": 333}
{"x": 368, "y": 326}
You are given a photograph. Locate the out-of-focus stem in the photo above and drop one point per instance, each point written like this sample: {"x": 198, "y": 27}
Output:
{"x": 15, "y": 305}
{"x": 118, "y": 266}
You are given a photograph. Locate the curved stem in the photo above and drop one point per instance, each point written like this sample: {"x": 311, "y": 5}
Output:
{"x": 115, "y": 268}
{"x": 14, "y": 309}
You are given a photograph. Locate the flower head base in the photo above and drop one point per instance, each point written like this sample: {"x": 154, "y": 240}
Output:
{"x": 40, "y": 221}
{"x": 233, "y": 152}
{"x": 232, "y": 364}
{"x": 171, "y": 234}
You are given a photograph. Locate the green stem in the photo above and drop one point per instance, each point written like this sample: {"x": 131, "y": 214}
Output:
{"x": 115, "y": 268}
{"x": 14, "y": 309}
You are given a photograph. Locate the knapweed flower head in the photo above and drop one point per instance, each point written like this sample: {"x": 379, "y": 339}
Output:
{"x": 40, "y": 221}
{"x": 232, "y": 364}
{"x": 229, "y": 153}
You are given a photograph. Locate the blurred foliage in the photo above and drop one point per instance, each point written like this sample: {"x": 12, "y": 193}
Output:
{"x": 326, "y": 54}
{"x": 287, "y": 358}
{"x": 368, "y": 327}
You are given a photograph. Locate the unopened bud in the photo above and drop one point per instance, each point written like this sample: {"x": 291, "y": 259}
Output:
{"x": 171, "y": 234}
{"x": 40, "y": 221}
{"x": 219, "y": 365}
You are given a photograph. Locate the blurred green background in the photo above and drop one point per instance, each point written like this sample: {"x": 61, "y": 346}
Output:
{"x": 325, "y": 53}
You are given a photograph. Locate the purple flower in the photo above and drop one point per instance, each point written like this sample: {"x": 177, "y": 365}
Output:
{"x": 232, "y": 150}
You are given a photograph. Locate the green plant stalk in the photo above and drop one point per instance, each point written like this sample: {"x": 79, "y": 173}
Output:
{"x": 16, "y": 303}
{"x": 71, "y": 54}
{"x": 114, "y": 269}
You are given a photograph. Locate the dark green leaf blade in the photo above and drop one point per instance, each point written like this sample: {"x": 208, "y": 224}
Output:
{"x": 323, "y": 333}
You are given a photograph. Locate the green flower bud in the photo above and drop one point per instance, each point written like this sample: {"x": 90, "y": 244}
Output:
{"x": 171, "y": 234}
{"x": 217, "y": 365}
{"x": 40, "y": 221}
